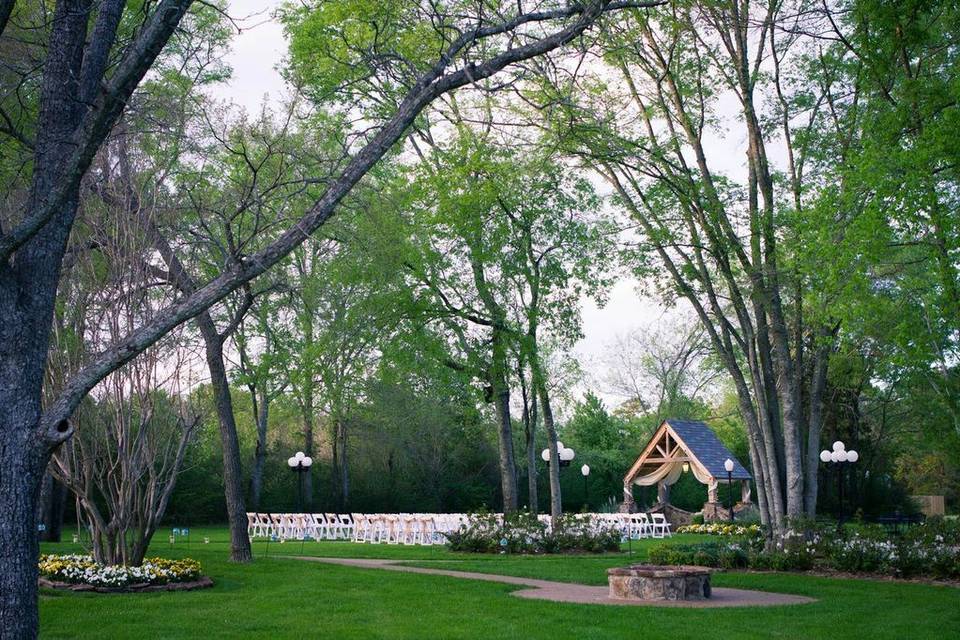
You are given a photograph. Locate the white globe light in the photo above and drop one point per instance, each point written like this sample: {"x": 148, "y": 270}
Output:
{"x": 545, "y": 455}
{"x": 292, "y": 462}
{"x": 567, "y": 455}
{"x": 841, "y": 456}
{"x": 559, "y": 446}
{"x": 835, "y": 456}
{"x": 852, "y": 456}
{"x": 307, "y": 461}
{"x": 824, "y": 456}
{"x": 299, "y": 455}
{"x": 585, "y": 470}
{"x": 838, "y": 446}
{"x": 728, "y": 465}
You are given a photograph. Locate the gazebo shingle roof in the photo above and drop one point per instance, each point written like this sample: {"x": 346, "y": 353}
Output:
{"x": 707, "y": 448}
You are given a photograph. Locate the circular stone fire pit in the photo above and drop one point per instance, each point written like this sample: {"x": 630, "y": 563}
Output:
{"x": 652, "y": 582}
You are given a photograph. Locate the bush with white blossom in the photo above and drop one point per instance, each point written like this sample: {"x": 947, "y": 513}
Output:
{"x": 81, "y": 569}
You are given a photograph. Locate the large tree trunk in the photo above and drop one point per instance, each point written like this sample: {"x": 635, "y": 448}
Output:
{"x": 21, "y": 471}
{"x": 232, "y": 477}
{"x": 28, "y": 288}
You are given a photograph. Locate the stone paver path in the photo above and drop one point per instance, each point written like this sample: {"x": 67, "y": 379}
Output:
{"x": 579, "y": 593}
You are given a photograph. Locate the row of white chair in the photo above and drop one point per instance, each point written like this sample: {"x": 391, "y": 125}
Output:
{"x": 405, "y": 528}
{"x": 633, "y": 525}
{"x": 421, "y": 528}
{"x": 300, "y": 526}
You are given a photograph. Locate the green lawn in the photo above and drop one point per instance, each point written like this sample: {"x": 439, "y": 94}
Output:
{"x": 277, "y": 597}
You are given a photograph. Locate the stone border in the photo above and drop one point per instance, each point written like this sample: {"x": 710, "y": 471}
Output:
{"x": 202, "y": 583}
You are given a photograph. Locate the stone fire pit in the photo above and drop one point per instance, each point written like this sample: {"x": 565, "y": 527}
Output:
{"x": 652, "y": 582}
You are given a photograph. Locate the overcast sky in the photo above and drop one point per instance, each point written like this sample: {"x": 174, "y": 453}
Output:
{"x": 255, "y": 54}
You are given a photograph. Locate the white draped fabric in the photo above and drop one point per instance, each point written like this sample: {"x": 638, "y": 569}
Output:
{"x": 669, "y": 472}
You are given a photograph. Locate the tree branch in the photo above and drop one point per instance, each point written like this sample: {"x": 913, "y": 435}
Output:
{"x": 100, "y": 119}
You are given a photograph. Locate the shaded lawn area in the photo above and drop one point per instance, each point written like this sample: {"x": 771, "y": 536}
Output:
{"x": 277, "y": 597}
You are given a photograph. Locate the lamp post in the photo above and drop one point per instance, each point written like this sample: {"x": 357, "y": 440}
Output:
{"x": 839, "y": 455}
{"x": 585, "y": 471}
{"x": 299, "y": 464}
{"x": 728, "y": 465}
{"x": 566, "y": 455}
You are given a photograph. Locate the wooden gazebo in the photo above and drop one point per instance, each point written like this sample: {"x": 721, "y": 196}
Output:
{"x": 680, "y": 446}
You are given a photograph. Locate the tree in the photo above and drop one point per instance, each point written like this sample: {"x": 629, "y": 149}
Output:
{"x": 533, "y": 243}
{"x": 79, "y": 104}
{"x": 661, "y": 369}
{"x": 732, "y": 247}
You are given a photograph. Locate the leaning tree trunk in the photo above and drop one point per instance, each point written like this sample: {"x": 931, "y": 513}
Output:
{"x": 232, "y": 477}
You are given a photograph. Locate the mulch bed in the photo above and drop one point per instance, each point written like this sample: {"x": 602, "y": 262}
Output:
{"x": 202, "y": 583}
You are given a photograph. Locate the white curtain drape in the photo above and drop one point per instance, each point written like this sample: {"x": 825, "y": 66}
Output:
{"x": 670, "y": 472}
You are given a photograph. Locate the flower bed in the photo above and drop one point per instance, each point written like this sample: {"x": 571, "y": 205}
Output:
{"x": 723, "y": 529}
{"x": 65, "y": 570}
{"x": 523, "y": 533}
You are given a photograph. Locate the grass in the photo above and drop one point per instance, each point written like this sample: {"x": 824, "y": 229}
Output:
{"x": 280, "y": 597}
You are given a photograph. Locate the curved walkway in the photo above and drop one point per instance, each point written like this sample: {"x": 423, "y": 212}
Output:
{"x": 579, "y": 593}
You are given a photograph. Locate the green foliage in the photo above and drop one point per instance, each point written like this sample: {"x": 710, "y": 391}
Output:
{"x": 524, "y": 533}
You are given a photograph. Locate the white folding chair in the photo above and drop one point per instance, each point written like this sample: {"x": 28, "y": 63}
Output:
{"x": 660, "y": 526}
{"x": 346, "y": 526}
{"x": 333, "y": 526}
{"x": 360, "y": 525}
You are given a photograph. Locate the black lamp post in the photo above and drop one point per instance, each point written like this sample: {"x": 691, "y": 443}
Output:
{"x": 839, "y": 455}
{"x": 299, "y": 464}
{"x": 585, "y": 471}
{"x": 728, "y": 465}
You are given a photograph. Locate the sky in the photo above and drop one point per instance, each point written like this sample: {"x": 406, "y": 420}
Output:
{"x": 255, "y": 54}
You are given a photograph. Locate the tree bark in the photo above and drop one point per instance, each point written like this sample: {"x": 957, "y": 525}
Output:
{"x": 232, "y": 476}
{"x": 21, "y": 469}
{"x": 818, "y": 385}
{"x": 556, "y": 499}
{"x": 501, "y": 397}
{"x": 530, "y": 435}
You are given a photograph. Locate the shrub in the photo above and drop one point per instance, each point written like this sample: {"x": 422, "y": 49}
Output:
{"x": 928, "y": 552}
{"x": 524, "y": 533}
{"x": 726, "y": 555}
